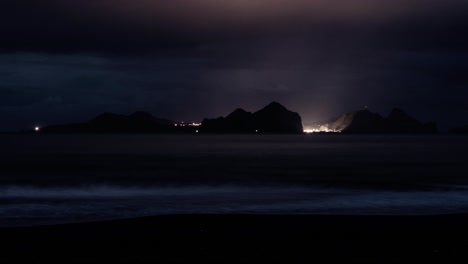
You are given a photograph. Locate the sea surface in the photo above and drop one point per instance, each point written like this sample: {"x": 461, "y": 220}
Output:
{"x": 52, "y": 179}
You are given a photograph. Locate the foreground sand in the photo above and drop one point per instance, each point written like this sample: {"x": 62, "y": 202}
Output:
{"x": 244, "y": 238}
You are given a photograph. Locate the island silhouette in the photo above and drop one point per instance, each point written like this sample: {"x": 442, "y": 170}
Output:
{"x": 367, "y": 122}
{"x": 271, "y": 119}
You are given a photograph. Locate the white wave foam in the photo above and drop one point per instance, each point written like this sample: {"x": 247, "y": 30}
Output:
{"x": 103, "y": 191}
{"x": 29, "y": 205}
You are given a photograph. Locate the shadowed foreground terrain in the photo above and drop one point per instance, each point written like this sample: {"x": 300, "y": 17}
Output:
{"x": 244, "y": 238}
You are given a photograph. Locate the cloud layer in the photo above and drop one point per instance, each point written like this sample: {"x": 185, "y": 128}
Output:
{"x": 70, "y": 60}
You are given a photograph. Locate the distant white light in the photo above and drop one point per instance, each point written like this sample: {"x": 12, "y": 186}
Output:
{"x": 196, "y": 131}
{"x": 256, "y": 131}
{"x": 37, "y": 129}
{"x": 175, "y": 124}
{"x": 321, "y": 130}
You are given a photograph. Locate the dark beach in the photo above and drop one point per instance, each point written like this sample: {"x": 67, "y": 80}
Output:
{"x": 243, "y": 239}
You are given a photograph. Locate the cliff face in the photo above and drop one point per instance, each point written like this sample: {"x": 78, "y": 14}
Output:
{"x": 274, "y": 118}
{"x": 365, "y": 121}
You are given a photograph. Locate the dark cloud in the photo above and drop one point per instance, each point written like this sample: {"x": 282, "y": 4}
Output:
{"x": 144, "y": 25}
{"x": 68, "y": 59}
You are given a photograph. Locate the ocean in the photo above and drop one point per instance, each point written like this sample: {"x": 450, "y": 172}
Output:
{"x": 52, "y": 179}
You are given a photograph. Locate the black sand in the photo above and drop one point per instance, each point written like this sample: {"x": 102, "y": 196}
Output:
{"x": 244, "y": 238}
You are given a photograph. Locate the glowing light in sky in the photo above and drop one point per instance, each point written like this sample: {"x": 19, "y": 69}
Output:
{"x": 206, "y": 12}
{"x": 37, "y": 129}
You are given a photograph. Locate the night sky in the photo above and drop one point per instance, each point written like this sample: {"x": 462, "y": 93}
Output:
{"x": 69, "y": 60}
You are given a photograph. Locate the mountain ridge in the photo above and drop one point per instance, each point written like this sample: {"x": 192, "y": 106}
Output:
{"x": 107, "y": 122}
{"x": 367, "y": 122}
{"x": 273, "y": 118}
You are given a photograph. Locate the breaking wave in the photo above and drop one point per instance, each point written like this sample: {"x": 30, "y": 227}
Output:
{"x": 21, "y": 205}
